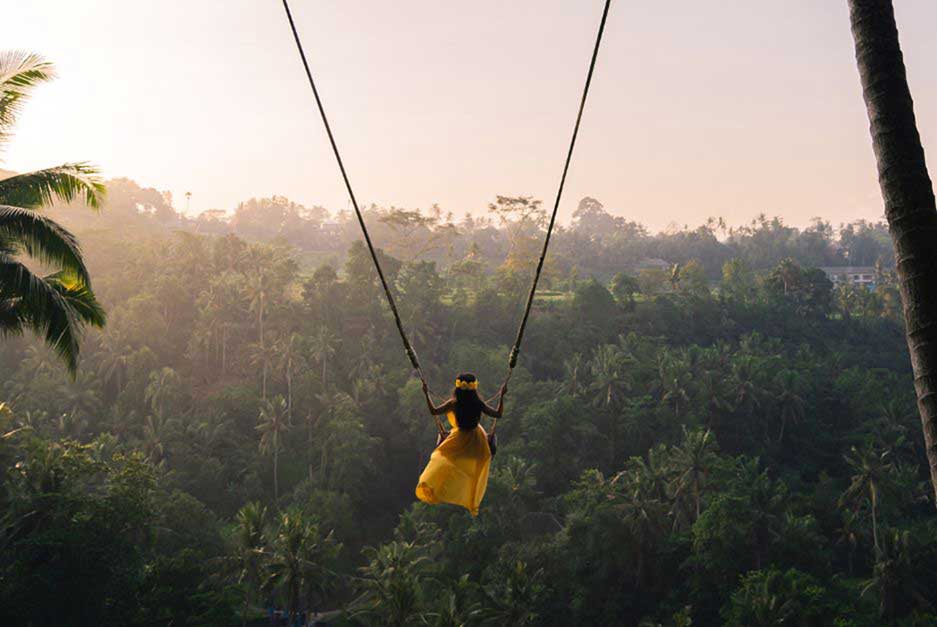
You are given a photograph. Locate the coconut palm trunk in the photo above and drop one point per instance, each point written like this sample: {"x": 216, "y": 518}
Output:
{"x": 309, "y": 426}
{"x": 289, "y": 383}
{"x": 260, "y": 319}
{"x": 224, "y": 349}
{"x": 276, "y": 468}
{"x": 908, "y": 194}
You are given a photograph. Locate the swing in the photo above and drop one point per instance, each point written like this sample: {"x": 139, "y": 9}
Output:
{"x": 411, "y": 354}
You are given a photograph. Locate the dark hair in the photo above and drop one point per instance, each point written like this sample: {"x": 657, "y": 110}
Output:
{"x": 468, "y": 407}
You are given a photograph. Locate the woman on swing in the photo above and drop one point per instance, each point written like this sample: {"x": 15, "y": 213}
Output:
{"x": 457, "y": 471}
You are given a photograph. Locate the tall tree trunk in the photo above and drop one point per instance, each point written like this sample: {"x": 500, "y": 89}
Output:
{"x": 323, "y": 459}
{"x": 698, "y": 499}
{"x": 263, "y": 349}
{"x": 224, "y": 349}
{"x": 276, "y": 472}
{"x": 309, "y": 443}
{"x": 908, "y": 194}
{"x": 289, "y": 386}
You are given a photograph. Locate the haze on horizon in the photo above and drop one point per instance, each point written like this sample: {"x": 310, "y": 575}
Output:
{"x": 725, "y": 111}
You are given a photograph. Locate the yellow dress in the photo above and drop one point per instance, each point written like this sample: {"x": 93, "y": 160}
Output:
{"x": 457, "y": 471}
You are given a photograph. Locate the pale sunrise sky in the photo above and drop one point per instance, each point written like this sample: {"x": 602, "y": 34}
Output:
{"x": 698, "y": 109}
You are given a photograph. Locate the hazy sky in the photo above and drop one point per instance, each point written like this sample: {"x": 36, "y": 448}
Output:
{"x": 698, "y": 108}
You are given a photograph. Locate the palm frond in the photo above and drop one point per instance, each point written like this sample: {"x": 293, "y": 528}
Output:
{"x": 20, "y": 72}
{"x": 79, "y": 297}
{"x": 43, "y": 239}
{"x": 39, "y": 307}
{"x": 10, "y": 321}
{"x": 57, "y": 307}
{"x": 41, "y": 188}
{"x": 73, "y": 309}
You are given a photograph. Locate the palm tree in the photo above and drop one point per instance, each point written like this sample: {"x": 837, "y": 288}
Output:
{"x": 311, "y": 423}
{"x": 713, "y": 386}
{"x": 892, "y": 423}
{"x": 512, "y": 599}
{"x": 675, "y": 277}
{"x": 692, "y": 462}
{"x": 773, "y": 597}
{"x": 872, "y": 471}
{"x": 345, "y": 444}
{"x": 37, "y": 361}
{"x": 114, "y": 361}
{"x": 893, "y": 577}
{"x": 848, "y": 534}
{"x": 908, "y": 193}
{"x": 845, "y": 297}
{"x": 323, "y": 347}
{"x": 764, "y": 500}
{"x": 791, "y": 404}
{"x": 273, "y": 424}
{"x": 59, "y": 305}
{"x": 162, "y": 389}
{"x": 394, "y": 584}
{"x": 299, "y": 561}
{"x": 744, "y": 384}
{"x": 363, "y": 358}
{"x": 210, "y": 432}
{"x": 572, "y": 369}
{"x": 155, "y": 431}
{"x": 256, "y": 290}
{"x": 70, "y": 425}
{"x": 645, "y": 515}
{"x": 671, "y": 383}
{"x": 457, "y": 605}
{"x": 651, "y": 478}
{"x": 608, "y": 378}
{"x": 289, "y": 358}
{"x": 787, "y": 272}
{"x": 251, "y": 523}
{"x": 216, "y": 306}
{"x": 519, "y": 477}
{"x": 261, "y": 354}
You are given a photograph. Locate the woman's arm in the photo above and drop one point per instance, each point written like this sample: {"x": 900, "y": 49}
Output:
{"x": 433, "y": 409}
{"x": 496, "y": 413}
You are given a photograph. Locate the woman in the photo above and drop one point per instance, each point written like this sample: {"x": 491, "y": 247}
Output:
{"x": 457, "y": 471}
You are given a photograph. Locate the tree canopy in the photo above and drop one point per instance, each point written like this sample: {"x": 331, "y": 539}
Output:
{"x": 722, "y": 436}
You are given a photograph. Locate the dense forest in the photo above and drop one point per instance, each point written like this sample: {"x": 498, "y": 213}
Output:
{"x": 703, "y": 429}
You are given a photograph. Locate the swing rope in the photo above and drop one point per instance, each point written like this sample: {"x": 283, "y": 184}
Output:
{"x": 512, "y": 360}
{"x": 354, "y": 201}
{"x": 515, "y": 350}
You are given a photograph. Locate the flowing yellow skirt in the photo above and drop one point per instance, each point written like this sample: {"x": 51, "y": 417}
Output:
{"x": 457, "y": 471}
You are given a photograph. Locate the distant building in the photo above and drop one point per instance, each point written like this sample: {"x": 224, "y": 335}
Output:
{"x": 331, "y": 229}
{"x": 653, "y": 263}
{"x": 863, "y": 276}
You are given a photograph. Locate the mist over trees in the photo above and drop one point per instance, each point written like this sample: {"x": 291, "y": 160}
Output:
{"x": 596, "y": 243}
{"x": 702, "y": 427}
